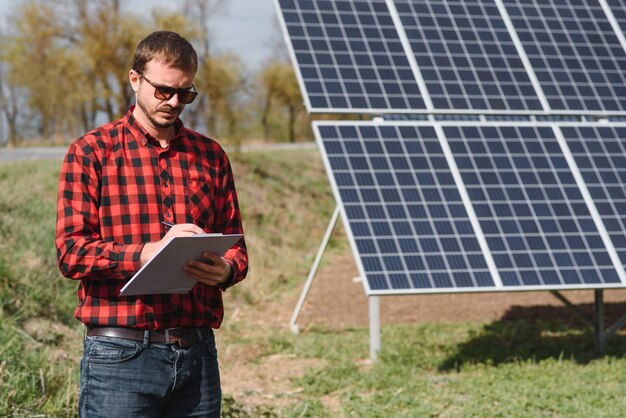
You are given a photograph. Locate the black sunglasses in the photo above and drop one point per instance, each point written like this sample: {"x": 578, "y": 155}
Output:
{"x": 185, "y": 96}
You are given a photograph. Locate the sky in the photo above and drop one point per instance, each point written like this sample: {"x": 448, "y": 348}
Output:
{"x": 246, "y": 27}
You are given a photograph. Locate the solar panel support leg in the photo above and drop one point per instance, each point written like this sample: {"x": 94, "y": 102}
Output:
{"x": 582, "y": 315}
{"x": 601, "y": 337}
{"x": 374, "y": 308}
{"x": 318, "y": 258}
{"x": 601, "y": 334}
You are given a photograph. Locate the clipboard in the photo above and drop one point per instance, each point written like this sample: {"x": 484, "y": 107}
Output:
{"x": 163, "y": 273}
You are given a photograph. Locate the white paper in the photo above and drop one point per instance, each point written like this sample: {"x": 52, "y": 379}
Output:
{"x": 163, "y": 273}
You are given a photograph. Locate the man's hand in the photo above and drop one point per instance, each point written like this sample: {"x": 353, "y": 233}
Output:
{"x": 211, "y": 270}
{"x": 179, "y": 230}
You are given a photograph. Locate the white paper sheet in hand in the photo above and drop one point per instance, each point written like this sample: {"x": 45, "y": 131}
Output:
{"x": 163, "y": 273}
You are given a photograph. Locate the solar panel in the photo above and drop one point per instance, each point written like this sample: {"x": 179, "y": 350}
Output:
{"x": 456, "y": 207}
{"x": 575, "y": 53}
{"x": 405, "y": 215}
{"x": 534, "y": 217}
{"x": 600, "y": 154}
{"x": 349, "y": 56}
{"x": 466, "y": 56}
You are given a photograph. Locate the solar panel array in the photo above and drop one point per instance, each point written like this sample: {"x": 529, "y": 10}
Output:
{"x": 474, "y": 204}
{"x": 477, "y": 56}
{"x": 413, "y": 230}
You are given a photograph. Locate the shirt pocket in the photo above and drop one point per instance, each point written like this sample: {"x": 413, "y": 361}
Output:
{"x": 202, "y": 195}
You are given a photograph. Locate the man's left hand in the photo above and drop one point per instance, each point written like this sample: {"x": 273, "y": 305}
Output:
{"x": 212, "y": 270}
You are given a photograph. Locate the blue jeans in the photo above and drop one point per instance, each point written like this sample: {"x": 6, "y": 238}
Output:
{"x": 125, "y": 378}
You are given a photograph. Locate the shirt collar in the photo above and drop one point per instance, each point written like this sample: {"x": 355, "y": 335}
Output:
{"x": 138, "y": 132}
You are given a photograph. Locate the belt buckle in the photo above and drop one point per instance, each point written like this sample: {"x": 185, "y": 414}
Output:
{"x": 180, "y": 341}
{"x": 169, "y": 335}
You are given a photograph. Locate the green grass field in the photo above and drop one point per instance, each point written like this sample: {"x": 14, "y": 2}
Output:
{"x": 510, "y": 368}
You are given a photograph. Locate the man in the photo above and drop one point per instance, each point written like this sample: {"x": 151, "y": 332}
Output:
{"x": 150, "y": 355}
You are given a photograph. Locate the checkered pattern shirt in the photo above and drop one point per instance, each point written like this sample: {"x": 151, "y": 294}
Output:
{"x": 116, "y": 186}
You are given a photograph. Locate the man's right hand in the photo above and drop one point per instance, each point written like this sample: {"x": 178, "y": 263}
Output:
{"x": 178, "y": 230}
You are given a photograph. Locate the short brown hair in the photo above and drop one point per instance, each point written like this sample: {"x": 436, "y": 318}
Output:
{"x": 166, "y": 46}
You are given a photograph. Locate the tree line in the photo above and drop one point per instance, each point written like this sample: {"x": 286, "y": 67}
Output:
{"x": 64, "y": 69}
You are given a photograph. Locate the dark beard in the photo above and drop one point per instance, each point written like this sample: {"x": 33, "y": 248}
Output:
{"x": 153, "y": 121}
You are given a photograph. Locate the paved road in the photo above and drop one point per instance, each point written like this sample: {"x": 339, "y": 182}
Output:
{"x": 32, "y": 153}
{"x": 57, "y": 153}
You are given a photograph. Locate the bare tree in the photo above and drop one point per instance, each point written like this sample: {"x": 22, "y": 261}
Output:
{"x": 201, "y": 13}
{"x": 280, "y": 89}
{"x": 221, "y": 79}
{"x": 32, "y": 57}
{"x": 277, "y": 45}
{"x": 9, "y": 107}
{"x": 106, "y": 38}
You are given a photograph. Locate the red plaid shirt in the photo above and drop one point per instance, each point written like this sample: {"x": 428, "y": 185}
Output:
{"x": 117, "y": 185}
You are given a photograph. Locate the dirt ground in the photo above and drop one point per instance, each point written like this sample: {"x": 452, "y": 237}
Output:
{"x": 336, "y": 300}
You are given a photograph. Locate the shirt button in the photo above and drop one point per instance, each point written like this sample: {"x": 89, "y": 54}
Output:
{"x": 144, "y": 141}
{"x": 165, "y": 184}
{"x": 168, "y": 214}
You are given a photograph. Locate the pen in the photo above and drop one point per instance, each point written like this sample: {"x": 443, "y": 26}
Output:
{"x": 168, "y": 224}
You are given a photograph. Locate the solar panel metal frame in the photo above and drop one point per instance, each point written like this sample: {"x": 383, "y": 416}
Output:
{"x": 439, "y": 126}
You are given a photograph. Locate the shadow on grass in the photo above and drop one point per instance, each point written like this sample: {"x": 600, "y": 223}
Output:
{"x": 536, "y": 333}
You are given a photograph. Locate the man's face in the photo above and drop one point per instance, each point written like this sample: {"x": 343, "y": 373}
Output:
{"x": 159, "y": 113}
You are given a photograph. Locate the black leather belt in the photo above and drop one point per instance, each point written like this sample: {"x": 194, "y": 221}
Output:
{"x": 183, "y": 337}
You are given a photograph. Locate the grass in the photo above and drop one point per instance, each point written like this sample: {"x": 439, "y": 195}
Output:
{"x": 507, "y": 368}
{"x": 448, "y": 369}
{"x": 35, "y": 376}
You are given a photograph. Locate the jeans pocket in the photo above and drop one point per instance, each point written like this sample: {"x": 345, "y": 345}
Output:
{"x": 209, "y": 345}
{"x": 105, "y": 350}
{"x": 210, "y": 348}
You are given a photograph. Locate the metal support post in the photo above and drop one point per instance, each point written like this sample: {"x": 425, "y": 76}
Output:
{"x": 316, "y": 263}
{"x": 374, "y": 308}
{"x": 601, "y": 333}
{"x": 600, "y": 340}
